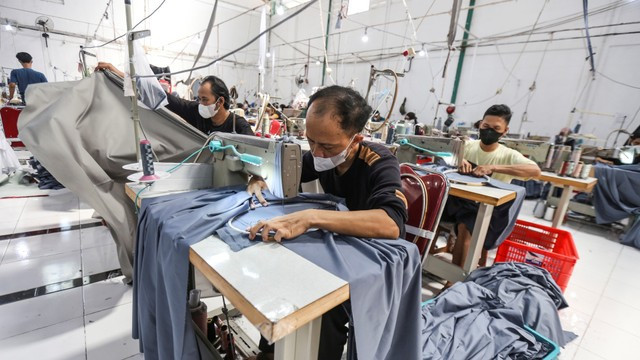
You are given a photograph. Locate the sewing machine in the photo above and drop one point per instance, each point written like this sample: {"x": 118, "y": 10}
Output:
{"x": 296, "y": 126}
{"x": 266, "y": 158}
{"x": 412, "y": 150}
{"x": 532, "y": 149}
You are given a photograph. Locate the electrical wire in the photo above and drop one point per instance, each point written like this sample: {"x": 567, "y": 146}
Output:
{"x": 618, "y": 82}
{"x": 121, "y": 36}
{"x": 306, "y": 6}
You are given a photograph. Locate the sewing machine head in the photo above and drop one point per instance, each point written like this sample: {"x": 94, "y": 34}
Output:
{"x": 532, "y": 149}
{"x": 416, "y": 149}
{"x": 236, "y": 156}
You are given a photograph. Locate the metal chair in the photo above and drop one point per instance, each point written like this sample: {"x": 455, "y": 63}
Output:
{"x": 426, "y": 192}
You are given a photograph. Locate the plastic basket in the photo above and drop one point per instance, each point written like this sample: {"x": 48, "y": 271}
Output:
{"x": 549, "y": 248}
{"x": 552, "y": 355}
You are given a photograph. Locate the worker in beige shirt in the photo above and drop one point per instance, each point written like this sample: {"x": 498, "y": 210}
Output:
{"x": 487, "y": 157}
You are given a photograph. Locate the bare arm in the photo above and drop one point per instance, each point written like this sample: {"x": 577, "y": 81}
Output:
{"x": 373, "y": 223}
{"x": 520, "y": 170}
{"x": 12, "y": 90}
{"x": 110, "y": 67}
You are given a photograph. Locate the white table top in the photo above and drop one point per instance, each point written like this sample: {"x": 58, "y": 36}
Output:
{"x": 272, "y": 285}
{"x": 582, "y": 184}
{"x": 485, "y": 194}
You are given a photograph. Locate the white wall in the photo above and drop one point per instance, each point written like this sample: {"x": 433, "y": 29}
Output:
{"x": 562, "y": 76}
{"x": 173, "y": 30}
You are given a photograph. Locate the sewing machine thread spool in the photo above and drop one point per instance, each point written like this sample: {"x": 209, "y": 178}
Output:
{"x": 586, "y": 170}
{"x": 147, "y": 158}
{"x": 549, "y": 160}
{"x": 563, "y": 168}
{"x": 576, "y": 154}
{"x": 577, "y": 170}
{"x": 569, "y": 169}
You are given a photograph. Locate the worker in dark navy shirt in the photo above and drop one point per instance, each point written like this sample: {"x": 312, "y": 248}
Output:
{"x": 25, "y": 76}
{"x": 210, "y": 113}
{"x": 366, "y": 175}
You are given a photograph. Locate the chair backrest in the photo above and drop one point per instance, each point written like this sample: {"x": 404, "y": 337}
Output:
{"x": 10, "y": 125}
{"x": 426, "y": 192}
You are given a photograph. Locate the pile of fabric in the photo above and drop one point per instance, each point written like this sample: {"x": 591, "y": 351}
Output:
{"x": 46, "y": 181}
{"x": 485, "y": 316}
{"x": 384, "y": 276}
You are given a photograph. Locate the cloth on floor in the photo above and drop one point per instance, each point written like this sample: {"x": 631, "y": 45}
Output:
{"x": 384, "y": 275}
{"x": 46, "y": 181}
{"x": 468, "y": 322}
{"x": 616, "y": 197}
{"x": 81, "y": 132}
{"x": 503, "y": 219}
{"x": 530, "y": 290}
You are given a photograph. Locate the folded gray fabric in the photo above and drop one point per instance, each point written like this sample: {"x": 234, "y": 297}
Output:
{"x": 531, "y": 291}
{"x": 468, "y": 322}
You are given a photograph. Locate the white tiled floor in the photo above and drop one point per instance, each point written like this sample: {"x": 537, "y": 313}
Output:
{"x": 94, "y": 321}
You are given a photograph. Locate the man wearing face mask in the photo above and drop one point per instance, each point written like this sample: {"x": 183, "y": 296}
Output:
{"x": 210, "y": 113}
{"x": 366, "y": 174}
{"x": 487, "y": 157}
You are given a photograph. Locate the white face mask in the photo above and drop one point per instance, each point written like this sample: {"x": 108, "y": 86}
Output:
{"x": 324, "y": 164}
{"x": 207, "y": 111}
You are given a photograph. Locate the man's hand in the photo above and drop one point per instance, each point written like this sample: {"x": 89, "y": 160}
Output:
{"x": 255, "y": 187}
{"x": 465, "y": 167}
{"x": 283, "y": 227}
{"x": 108, "y": 66}
{"x": 482, "y": 170}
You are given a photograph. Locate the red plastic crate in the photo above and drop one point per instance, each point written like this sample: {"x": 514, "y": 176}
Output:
{"x": 543, "y": 246}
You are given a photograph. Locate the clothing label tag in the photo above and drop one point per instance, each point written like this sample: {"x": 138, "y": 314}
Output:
{"x": 534, "y": 258}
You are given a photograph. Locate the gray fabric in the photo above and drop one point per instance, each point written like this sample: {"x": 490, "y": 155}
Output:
{"x": 530, "y": 290}
{"x": 168, "y": 225}
{"x": 384, "y": 275}
{"x": 235, "y": 235}
{"x": 503, "y": 218}
{"x": 82, "y": 132}
{"x": 468, "y": 322}
{"x": 617, "y": 196}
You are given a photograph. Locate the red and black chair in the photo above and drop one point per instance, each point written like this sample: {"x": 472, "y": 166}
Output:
{"x": 426, "y": 191}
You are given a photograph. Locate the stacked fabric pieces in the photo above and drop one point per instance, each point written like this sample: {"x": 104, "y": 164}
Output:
{"x": 468, "y": 322}
{"x": 531, "y": 291}
{"x": 46, "y": 181}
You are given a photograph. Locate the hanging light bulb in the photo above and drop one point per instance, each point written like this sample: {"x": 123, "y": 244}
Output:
{"x": 365, "y": 37}
{"x": 422, "y": 52}
{"x": 8, "y": 27}
{"x": 268, "y": 54}
{"x": 318, "y": 62}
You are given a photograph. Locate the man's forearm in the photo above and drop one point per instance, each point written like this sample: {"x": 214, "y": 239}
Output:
{"x": 524, "y": 171}
{"x": 12, "y": 90}
{"x": 374, "y": 223}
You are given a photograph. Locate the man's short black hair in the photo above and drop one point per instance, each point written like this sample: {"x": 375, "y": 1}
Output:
{"x": 344, "y": 102}
{"x": 24, "y": 57}
{"x": 501, "y": 110}
{"x": 218, "y": 88}
{"x": 411, "y": 115}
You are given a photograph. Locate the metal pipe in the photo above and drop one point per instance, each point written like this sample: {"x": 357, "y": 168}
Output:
{"x": 463, "y": 50}
{"x": 132, "y": 72}
{"x": 326, "y": 43}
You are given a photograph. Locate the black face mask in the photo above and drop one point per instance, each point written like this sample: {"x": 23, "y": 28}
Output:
{"x": 489, "y": 136}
